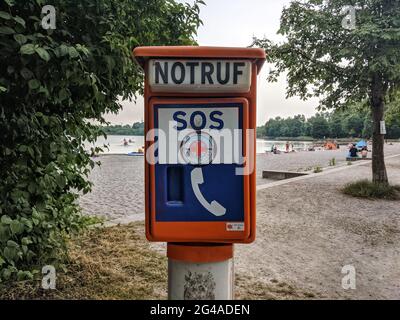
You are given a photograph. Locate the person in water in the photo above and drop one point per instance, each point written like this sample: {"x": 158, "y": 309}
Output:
{"x": 125, "y": 142}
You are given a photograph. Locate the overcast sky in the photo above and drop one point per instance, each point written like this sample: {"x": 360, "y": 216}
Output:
{"x": 230, "y": 23}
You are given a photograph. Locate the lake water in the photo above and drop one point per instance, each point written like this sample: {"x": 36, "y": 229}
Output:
{"x": 116, "y": 144}
{"x": 266, "y": 145}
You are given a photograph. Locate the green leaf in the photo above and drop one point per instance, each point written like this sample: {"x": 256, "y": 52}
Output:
{"x": 63, "y": 50}
{"x": 24, "y": 275}
{"x": 44, "y": 90}
{"x": 20, "y": 38}
{"x": 10, "y": 69}
{"x": 60, "y": 180}
{"x": 16, "y": 227}
{"x": 26, "y": 241}
{"x": 6, "y": 30}
{"x": 5, "y": 233}
{"x": 10, "y": 2}
{"x": 12, "y": 244}
{"x": 10, "y": 253}
{"x": 43, "y": 54}
{"x": 5, "y": 15}
{"x": 7, "y": 272}
{"x": 32, "y": 187}
{"x": 26, "y": 73}
{"x": 63, "y": 94}
{"x": 5, "y": 219}
{"x": 27, "y": 223}
{"x": 82, "y": 49}
{"x": 3, "y": 89}
{"x": 28, "y": 49}
{"x": 73, "y": 53}
{"x": 34, "y": 84}
{"x": 2, "y": 261}
{"x": 31, "y": 152}
{"x": 20, "y": 21}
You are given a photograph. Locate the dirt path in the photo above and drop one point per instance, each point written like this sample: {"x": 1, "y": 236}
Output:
{"x": 308, "y": 230}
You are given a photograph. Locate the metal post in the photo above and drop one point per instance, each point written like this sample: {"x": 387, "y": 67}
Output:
{"x": 200, "y": 271}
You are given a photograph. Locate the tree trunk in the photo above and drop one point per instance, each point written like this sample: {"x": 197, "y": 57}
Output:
{"x": 378, "y": 92}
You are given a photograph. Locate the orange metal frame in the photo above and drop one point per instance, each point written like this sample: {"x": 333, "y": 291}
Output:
{"x": 200, "y": 231}
{"x": 198, "y": 253}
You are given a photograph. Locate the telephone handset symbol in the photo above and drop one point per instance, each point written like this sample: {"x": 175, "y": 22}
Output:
{"x": 214, "y": 207}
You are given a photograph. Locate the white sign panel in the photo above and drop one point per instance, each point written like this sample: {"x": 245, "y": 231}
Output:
{"x": 200, "y": 75}
{"x": 199, "y": 136}
{"x": 383, "y": 127}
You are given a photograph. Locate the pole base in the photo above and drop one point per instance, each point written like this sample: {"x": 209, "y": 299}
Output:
{"x": 200, "y": 271}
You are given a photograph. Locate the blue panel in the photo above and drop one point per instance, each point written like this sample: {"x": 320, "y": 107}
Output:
{"x": 220, "y": 184}
{"x": 175, "y": 198}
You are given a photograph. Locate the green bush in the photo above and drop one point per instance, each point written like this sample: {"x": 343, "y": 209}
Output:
{"x": 368, "y": 189}
{"x": 317, "y": 169}
{"x": 54, "y": 84}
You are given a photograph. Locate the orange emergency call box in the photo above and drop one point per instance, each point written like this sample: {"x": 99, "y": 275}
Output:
{"x": 200, "y": 122}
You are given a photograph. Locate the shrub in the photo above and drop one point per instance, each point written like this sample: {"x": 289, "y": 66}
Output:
{"x": 54, "y": 84}
{"x": 368, "y": 189}
{"x": 318, "y": 169}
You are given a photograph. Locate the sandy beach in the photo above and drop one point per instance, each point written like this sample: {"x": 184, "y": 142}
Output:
{"x": 307, "y": 229}
{"x": 119, "y": 182}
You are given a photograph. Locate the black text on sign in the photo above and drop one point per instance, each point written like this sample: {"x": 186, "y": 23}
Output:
{"x": 196, "y": 76}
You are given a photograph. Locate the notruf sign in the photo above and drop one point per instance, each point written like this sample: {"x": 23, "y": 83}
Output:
{"x": 200, "y": 75}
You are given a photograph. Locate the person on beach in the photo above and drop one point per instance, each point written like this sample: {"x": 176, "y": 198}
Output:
{"x": 364, "y": 152}
{"x": 353, "y": 152}
{"x": 287, "y": 147}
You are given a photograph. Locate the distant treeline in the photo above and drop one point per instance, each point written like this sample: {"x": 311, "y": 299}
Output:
{"x": 339, "y": 124}
{"x": 137, "y": 129}
{"x": 351, "y": 123}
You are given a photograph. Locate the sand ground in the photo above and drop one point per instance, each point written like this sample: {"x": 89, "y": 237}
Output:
{"x": 306, "y": 230}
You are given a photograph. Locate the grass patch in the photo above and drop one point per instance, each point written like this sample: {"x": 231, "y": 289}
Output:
{"x": 115, "y": 263}
{"x": 104, "y": 263}
{"x": 369, "y": 190}
{"x": 249, "y": 289}
{"x": 318, "y": 169}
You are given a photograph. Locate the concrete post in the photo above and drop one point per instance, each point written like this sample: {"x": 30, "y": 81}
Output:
{"x": 200, "y": 272}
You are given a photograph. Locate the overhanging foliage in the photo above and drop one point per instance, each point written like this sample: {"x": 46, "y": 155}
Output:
{"x": 53, "y": 84}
